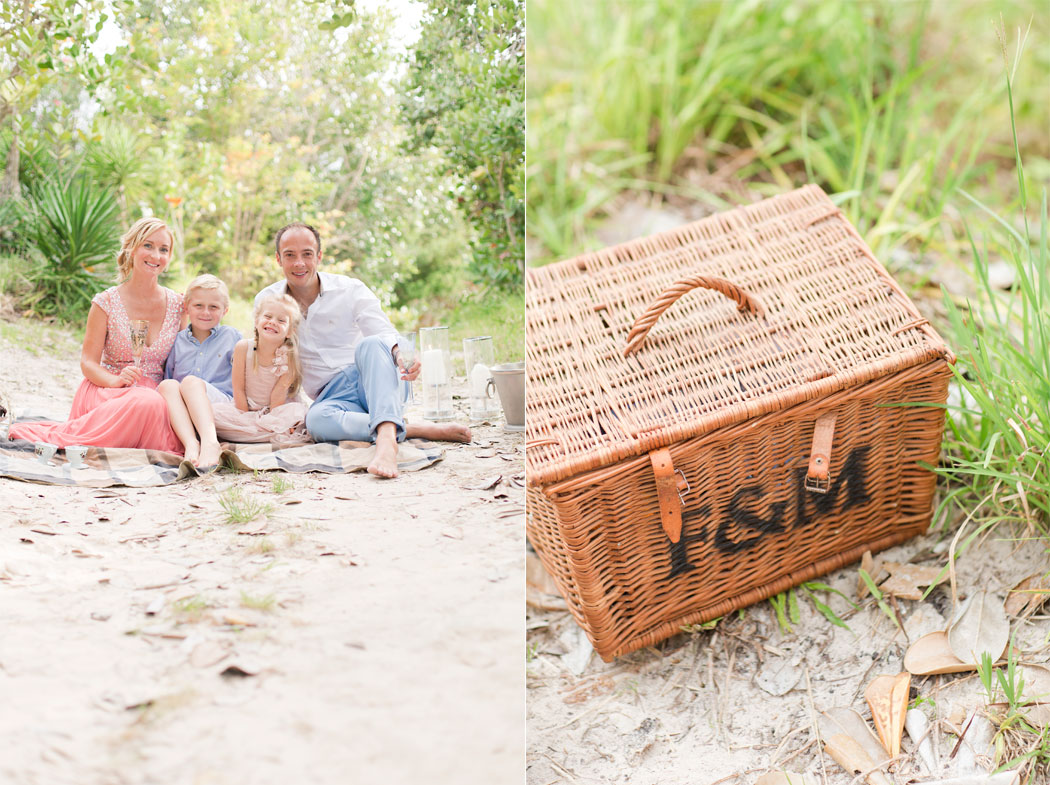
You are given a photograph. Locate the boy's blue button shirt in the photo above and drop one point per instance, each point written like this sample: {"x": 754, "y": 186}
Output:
{"x": 210, "y": 360}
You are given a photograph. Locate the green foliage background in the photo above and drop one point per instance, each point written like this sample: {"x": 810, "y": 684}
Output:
{"x": 229, "y": 119}
{"x": 890, "y": 106}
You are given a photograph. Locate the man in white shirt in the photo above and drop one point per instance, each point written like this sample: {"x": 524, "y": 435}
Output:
{"x": 350, "y": 358}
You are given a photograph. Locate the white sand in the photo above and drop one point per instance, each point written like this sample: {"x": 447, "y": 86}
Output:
{"x": 386, "y": 645}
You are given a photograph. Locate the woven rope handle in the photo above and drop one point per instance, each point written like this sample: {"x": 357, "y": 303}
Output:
{"x": 667, "y": 298}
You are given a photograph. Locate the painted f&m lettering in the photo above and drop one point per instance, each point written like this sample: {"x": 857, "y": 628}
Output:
{"x": 848, "y": 490}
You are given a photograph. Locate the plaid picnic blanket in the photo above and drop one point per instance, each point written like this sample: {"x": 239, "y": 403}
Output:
{"x": 105, "y": 466}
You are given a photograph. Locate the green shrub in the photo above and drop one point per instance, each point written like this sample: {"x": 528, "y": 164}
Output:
{"x": 74, "y": 229}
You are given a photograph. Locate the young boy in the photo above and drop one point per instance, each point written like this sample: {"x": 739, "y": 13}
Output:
{"x": 199, "y": 369}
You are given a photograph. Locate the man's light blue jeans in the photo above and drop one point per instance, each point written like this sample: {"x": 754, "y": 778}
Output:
{"x": 359, "y": 398}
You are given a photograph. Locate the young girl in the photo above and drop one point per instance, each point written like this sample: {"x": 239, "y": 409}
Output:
{"x": 266, "y": 380}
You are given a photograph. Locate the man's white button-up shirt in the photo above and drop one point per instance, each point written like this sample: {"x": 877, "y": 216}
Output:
{"x": 344, "y": 312}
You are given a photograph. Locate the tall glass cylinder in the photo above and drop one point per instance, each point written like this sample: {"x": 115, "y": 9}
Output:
{"x": 436, "y": 373}
{"x": 479, "y": 357}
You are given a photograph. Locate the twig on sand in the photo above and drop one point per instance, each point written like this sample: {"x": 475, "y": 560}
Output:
{"x": 561, "y": 769}
{"x": 583, "y": 714}
{"x": 798, "y": 752}
{"x": 813, "y": 723}
{"x": 724, "y": 698}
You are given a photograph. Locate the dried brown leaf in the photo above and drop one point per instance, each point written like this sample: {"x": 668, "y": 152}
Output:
{"x": 848, "y": 724}
{"x": 1026, "y": 597}
{"x": 850, "y": 755}
{"x": 932, "y": 654}
{"x": 979, "y": 626}
{"x": 887, "y": 697}
{"x": 208, "y": 653}
{"x": 906, "y": 580}
{"x": 485, "y": 484}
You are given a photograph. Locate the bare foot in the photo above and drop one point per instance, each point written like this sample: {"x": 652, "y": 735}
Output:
{"x": 438, "y": 431}
{"x": 384, "y": 464}
{"x": 209, "y": 455}
{"x": 191, "y": 452}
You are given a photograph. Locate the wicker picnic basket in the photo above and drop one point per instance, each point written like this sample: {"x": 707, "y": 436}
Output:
{"x": 720, "y": 412}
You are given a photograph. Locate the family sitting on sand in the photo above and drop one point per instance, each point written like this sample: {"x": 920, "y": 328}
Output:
{"x": 190, "y": 385}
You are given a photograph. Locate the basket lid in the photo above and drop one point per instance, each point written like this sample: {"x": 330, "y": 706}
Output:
{"x": 664, "y": 338}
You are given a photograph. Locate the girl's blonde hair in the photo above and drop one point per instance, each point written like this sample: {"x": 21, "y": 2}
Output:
{"x": 208, "y": 281}
{"x": 291, "y": 341}
{"x": 133, "y": 238}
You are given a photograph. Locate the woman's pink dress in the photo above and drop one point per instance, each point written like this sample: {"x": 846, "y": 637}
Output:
{"x": 283, "y": 426}
{"x": 119, "y": 416}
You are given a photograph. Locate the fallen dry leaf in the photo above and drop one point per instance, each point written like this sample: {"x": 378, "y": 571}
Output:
{"x": 485, "y": 484}
{"x": 843, "y": 720}
{"x": 932, "y": 654}
{"x": 979, "y": 626}
{"x": 240, "y": 670}
{"x": 237, "y": 621}
{"x": 1026, "y": 597}
{"x": 887, "y": 697}
{"x": 906, "y": 580}
{"x": 850, "y": 755}
{"x": 208, "y": 653}
{"x": 156, "y": 606}
{"x": 779, "y": 675}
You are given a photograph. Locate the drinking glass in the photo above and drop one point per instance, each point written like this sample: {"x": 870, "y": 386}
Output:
{"x": 139, "y": 339}
{"x": 478, "y": 356}
{"x": 406, "y": 344}
{"x": 437, "y": 373}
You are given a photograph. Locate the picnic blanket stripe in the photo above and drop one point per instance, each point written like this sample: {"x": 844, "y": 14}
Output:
{"x": 107, "y": 466}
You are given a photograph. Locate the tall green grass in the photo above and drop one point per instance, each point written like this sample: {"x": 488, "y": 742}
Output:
{"x": 999, "y": 436}
{"x": 881, "y": 103}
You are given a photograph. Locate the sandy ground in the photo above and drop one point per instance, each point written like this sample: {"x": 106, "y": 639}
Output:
{"x": 361, "y": 631}
{"x": 728, "y": 705}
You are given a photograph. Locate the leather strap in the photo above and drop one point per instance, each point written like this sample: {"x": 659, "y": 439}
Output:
{"x": 818, "y": 475}
{"x": 667, "y": 490}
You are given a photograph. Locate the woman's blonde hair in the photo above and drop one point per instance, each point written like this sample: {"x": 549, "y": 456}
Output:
{"x": 133, "y": 238}
{"x": 291, "y": 341}
{"x": 208, "y": 281}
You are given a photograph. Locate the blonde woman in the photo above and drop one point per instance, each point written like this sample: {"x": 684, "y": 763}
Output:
{"x": 117, "y": 403}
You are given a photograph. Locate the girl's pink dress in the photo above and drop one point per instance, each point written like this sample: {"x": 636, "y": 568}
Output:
{"x": 119, "y": 416}
{"x": 283, "y": 426}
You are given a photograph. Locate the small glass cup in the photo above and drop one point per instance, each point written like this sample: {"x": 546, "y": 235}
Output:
{"x": 139, "y": 339}
{"x": 478, "y": 356}
{"x": 406, "y": 345}
{"x": 437, "y": 373}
